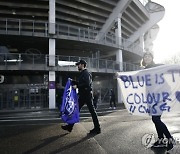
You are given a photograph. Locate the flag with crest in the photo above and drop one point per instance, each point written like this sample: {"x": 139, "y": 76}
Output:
{"x": 70, "y": 106}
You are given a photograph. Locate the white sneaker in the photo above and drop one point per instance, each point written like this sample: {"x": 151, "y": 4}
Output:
{"x": 110, "y": 107}
{"x": 114, "y": 108}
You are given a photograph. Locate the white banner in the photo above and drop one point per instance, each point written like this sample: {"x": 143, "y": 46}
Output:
{"x": 151, "y": 91}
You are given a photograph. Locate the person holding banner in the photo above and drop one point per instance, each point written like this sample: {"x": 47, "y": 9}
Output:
{"x": 84, "y": 85}
{"x": 161, "y": 128}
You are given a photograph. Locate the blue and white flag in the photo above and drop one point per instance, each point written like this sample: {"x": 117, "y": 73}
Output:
{"x": 151, "y": 91}
{"x": 70, "y": 106}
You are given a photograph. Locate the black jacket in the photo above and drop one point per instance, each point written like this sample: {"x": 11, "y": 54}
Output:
{"x": 84, "y": 82}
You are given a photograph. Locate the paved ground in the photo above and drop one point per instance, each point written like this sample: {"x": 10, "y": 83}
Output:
{"x": 126, "y": 134}
{"x": 121, "y": 134}
{"x": 46, "y": 139}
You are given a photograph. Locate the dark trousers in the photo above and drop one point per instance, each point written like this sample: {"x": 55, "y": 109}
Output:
{"x": 161, "y": 128}
{"x": 112, "y": 101}
{"x": 86, "y": 98}
{"x": 95, "y": 103}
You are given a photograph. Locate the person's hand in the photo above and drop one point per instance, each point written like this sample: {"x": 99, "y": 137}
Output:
{"x": 70, "y": 79}
{"x": 74, "y": 86}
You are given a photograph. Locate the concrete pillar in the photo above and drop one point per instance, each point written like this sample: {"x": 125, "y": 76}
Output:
{"x": 52, "y": 90}
{"x": 52, "y": 16}
{"x": 119, "y": 57}
{"x": 52, "y": 49}
{"x": 141, "y": 44}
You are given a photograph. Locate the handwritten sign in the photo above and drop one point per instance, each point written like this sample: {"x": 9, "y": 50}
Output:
{"x": 151, "y": 91}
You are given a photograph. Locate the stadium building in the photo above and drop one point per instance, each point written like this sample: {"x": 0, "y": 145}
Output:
{"x": 40, "y": 41}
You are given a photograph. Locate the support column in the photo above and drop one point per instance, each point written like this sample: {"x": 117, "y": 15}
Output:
{"x": 141, "y": 39}
{"x": 119, "y": 57}
{"x": 52, "y": 16}
{"x": 52, "y": 49}
{"x": 52, "y": 90}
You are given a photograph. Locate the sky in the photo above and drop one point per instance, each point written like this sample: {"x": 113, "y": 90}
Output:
{"x": 167, "y": 42}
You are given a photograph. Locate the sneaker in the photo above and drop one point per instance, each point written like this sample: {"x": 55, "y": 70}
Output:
{"x": 169, "y": 146}
{"x": 67, "y": 127}
{"x": 114, "y": 108}
{"x": 95, "y": 131}
{"x": 110, "y": 107}
{"x": 172, "y": 140}
{"x": 159, "y": 144}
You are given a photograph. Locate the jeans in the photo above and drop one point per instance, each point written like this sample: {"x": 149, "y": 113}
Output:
{"x": 161, "y": 128}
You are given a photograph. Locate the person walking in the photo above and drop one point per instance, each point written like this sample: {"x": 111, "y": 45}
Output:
{"x": 84, "y": 85}
{"x": 95, "y": 98}
{"x": 112, "y": 99}
{"x": 161, "y": 128}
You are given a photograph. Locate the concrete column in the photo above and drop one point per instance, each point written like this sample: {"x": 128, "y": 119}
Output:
{"x": 52, "y": 50}
{"x": 52, "y": 75}
{"x": 119, "y": 57}
{"x": 52, "y": 90}
{"x": 141, "y": 44}
{"x": 52, "y": 16}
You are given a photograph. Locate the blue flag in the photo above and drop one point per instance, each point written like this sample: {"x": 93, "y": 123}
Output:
{"x": 70, "y": 106}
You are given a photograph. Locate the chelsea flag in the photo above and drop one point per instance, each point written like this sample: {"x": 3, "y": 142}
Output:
{"x": 70, "y": 107}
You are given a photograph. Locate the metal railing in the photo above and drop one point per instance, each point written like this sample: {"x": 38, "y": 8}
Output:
{"x": 64, "y": 31}
{"x": 23, "y": 27}
{"x": 41, "y": 62}
{"x": 23, "y": 98}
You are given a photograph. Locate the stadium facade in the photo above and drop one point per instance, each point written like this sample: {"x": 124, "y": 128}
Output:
{"x": 40, "y": 40}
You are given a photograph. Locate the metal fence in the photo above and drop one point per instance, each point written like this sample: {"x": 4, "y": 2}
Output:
{"x": 64, "y": 31}
{"x": 41, "y": 62}
{"x": 32, "y": 98}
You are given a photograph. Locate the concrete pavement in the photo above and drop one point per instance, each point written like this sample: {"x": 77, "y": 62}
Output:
{"x": 121, "y": 134}
{"x": 47, "y": 139}
{"x": 39, "y": 132}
